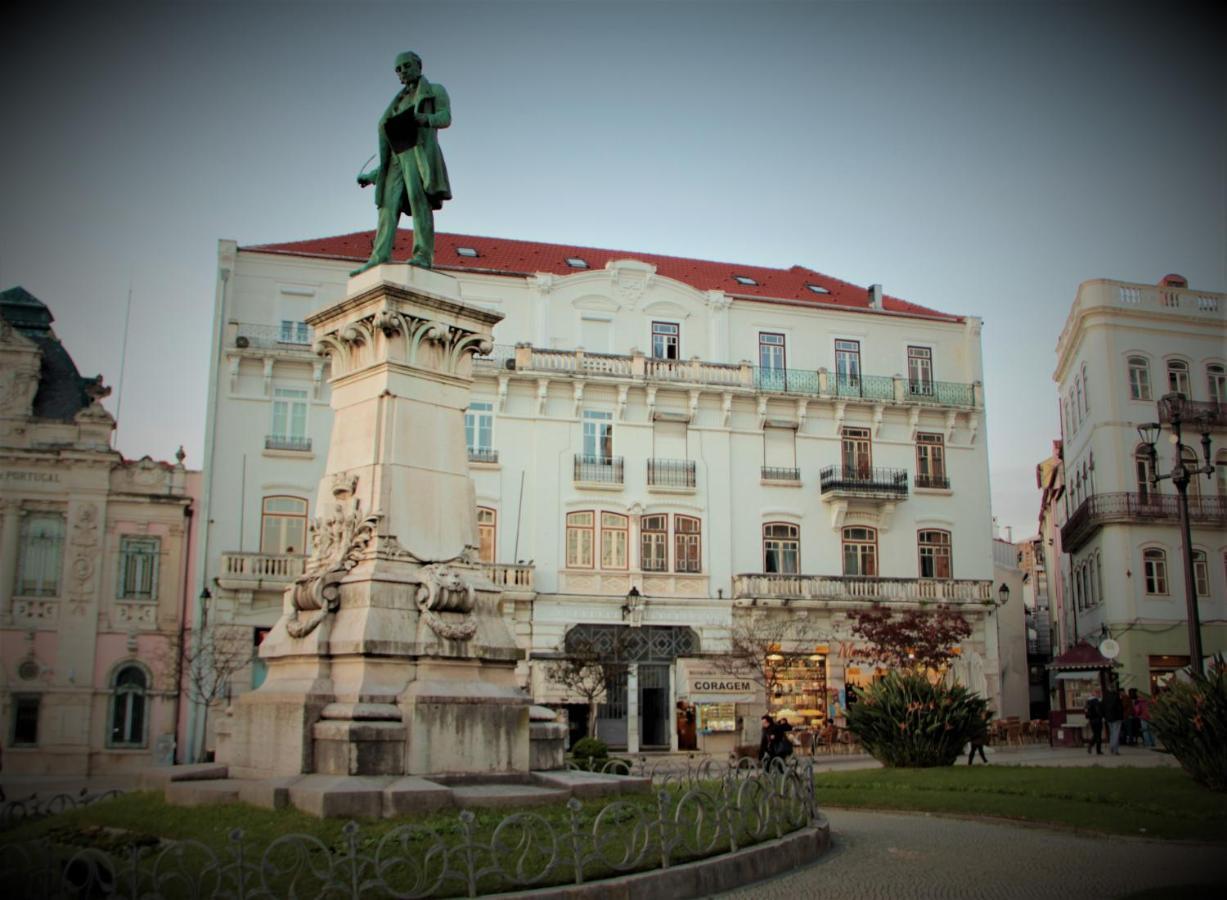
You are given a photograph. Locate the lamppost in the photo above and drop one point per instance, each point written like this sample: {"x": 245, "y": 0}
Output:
{"x": 1181, "y": 474}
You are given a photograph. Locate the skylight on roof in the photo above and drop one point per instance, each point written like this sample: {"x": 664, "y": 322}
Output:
{"x": 817, "y": 289}
{"x": 744, "y": 279}
{"x": 576, "y": 263}
{"x": 466, "y": 251}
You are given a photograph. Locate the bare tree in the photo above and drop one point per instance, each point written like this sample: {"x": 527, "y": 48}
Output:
{"x": 203, "y": 663}
{"x": 586, "y": 673}
{"x": 758, "y": 646}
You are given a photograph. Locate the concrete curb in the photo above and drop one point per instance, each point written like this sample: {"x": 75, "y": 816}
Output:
{"x": 703, "y": 877}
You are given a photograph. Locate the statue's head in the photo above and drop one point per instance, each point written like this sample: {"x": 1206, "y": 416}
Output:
{"x": 408, "y": 67}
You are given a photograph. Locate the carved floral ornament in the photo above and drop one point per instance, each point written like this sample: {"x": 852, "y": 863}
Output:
{"x": 392, "y": 334}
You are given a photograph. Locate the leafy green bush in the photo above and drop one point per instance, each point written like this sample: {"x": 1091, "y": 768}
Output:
{"x": 904, "y": 720}
{"x": 1190, "y": 717}
{"x": 587, "y": 749}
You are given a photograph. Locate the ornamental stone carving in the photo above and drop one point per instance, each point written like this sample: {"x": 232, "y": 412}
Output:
{"x": 338, "y": 540}
{"x": 442, "y": 588}
{"x": 399, "y": 337}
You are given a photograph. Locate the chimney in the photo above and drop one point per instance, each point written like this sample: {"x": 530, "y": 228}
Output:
{"x": 875, "y": 296}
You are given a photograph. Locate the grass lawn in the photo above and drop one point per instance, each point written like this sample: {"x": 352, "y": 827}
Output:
{"x": 1158, "y": 802}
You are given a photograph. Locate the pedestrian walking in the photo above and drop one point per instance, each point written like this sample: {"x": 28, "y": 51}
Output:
{"x": 764, "y": 741}
{"x": 1133, "y": 725}
{"x": 1094, "y": 718}
{"x": 1142, "y": 710}
{"x": 1114, "y": 715}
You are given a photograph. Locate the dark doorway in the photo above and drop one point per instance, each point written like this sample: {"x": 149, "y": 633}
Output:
{"x": 654, "y": 706}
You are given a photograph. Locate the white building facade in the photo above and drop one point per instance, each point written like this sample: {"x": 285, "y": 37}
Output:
{"x": 660, "y": 447}
{"x": 1123, "y": 347}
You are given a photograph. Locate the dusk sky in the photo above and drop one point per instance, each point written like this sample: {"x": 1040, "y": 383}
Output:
{"x": 981, "y": 159}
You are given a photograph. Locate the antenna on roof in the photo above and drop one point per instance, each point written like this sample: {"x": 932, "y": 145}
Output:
{"x": 123, "y": 362}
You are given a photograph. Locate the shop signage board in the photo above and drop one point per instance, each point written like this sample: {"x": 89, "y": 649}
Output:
{"x": 717, "y": 688}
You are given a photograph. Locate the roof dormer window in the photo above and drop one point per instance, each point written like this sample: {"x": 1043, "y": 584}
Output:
{"x": 576, "y": 262}
{"x": 817, "y": 289}
{"x": 744, "y": 279}
{"x": 470, "y": 252}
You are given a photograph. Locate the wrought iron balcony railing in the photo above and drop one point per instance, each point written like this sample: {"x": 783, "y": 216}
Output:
{"x": 775, "y": 473}
{"x": 930, "y": 480}
{"x": 1194, "y": 412}
{"x": 482, "y": 455}
{"x": 863, "y": 481}
{"x": 286, "y": 442}
{"x": 1102, "y": 509}
{"x": 675, "y": 473}
{"x": 598, "y": 469}
{"x": 758, "y": 586}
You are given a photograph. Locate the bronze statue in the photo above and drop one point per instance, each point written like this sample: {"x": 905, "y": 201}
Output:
{"x": 411, "y": 176}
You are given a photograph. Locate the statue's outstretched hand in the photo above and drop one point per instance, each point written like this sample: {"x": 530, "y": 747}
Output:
{"x": 366, "y": 179}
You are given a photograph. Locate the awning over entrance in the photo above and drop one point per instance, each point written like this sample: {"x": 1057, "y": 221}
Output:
{"x": 1082, "y": 657}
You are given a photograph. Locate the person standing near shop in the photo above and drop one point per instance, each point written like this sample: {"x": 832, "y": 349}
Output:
{"x": 1141, "y": 709}
{"x": 1094, "y": 718}
{"x": 1114, "y": 715}
{"x": 764, "y": 741}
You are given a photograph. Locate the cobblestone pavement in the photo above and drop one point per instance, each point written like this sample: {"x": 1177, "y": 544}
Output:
{"x": 892, "y": 855}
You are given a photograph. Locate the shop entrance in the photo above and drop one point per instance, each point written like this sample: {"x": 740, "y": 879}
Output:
{"x": 653, "y": 706}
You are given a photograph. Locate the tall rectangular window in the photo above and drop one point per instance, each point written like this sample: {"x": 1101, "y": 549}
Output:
{"x": 654, "y": 543}
{"x": 580, "y": 526}
{"x": 934, "y": 549}
{"x": 860, "y": 552}
{"x": 666, "y": 340}
{"x": 1201, "y": 573}
{"x": 781, "y": 548}
{"x": 615, "y": 533}
{"x": 931, "y": 461}
{"x": 1216, "y": 383}
{"x": 138, "y": 568}
{"x": 771, "y": 349}
{"x": 25, "y": 722}
{"x": 857, "y": 452}
{"x": 42, "y": 555}
{"x": 848, "y": 363}
{"x": 289, "y": 414}
{"x": 598, "y": 436}
{"x": 479, "y": 428}
{"x": 920, "y": 370}
{"x": 486, "y": 519}
{"x": 283, "y": 526}
{"x": 1154, "y": 566}
{"x": 687, "y": 544}
{"x": 1178, "y": 377}
{"x": 1139, "y": 378}
{"x": 294, "y": 332}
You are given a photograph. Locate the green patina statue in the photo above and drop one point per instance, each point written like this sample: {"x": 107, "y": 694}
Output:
{"x": 411, "y": 176}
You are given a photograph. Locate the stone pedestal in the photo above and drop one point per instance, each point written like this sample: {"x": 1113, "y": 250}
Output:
{"x": 391, "y": 656}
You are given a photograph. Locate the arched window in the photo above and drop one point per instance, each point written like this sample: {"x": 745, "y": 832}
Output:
{"x": 283, "y": 526}
{"x": 1201, "y": 573}
{"x": 580, "y": 526}
{"x": 1086, "y": 390}
{"x": 654, "y": 543}
{"x": 486, "y": 522}
{"x": 1189, "y": 457}
{"x": 1139, "y": 378}
{"x": 861, "y": 551}
{"x": 1216, "y": 383}
{"x": 1154, "y": 567}
{"x": 1178, "y": 377}
{"x": 128, "y": 707}
{"x": 934, "y": 548}
{"x": 615, "y": 532}
{"x": 781, "y": 548}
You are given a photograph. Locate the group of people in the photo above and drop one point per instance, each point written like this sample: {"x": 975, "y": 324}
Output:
{"x": 774, "y": 743}
{"x": 1127, "y": 715}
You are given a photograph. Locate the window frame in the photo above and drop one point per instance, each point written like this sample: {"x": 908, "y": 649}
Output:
{"x": 1216, "y": 383}
{"x": 1139, "y": 378}
{"x": 868, "y": 543}
{"x": 49, "y": 578}
{"x": 479, "y": 422}
{"x": 668, "y": 339}
{"x": 597, "y": 433}
{"x": 920, "y": 382}
{"x": 624, "y": 530}
{"x": 1178, "y": 371}
{"x": 572, "y": 526}
{"x": 769, "y": 349}
{"x": 130, "y": 546}
{"x": 930, "y": 456}
{"x": 658, "y": 538}
{"x": 845, "y": 355}
{"x": 490, "y": 527}
{"x": 785, "y": 546}
{"x": 850, "y": 439}
{"x": 266, "y": 515}
{"x": 26, "y": 701}
{"x": 125, "y": 700}
{"x": 1201, "y": 574}
{"x": 1154, "y": 572}
{"x": 925, "y": 541}
{"x": 292, "y": 406}
{"x": 687, "y": 545}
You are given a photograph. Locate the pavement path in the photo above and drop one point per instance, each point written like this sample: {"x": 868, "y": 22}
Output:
{"x": 883, "y": 856}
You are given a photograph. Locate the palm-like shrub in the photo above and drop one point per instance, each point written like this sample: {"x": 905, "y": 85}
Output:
{"x": 904, "y": 720}
{"x": 1190, "y": 718}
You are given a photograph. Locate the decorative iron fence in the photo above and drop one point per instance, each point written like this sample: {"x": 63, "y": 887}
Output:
{"x": 863, "y": 480}
{"x": 691, "y": 817}
{"x": 599, "y": 469}
{"x": 286, "y": 442}
{"x": 775, "y": 473}
{"x": 679, "y": 473}
{"x": 924, "y": 480}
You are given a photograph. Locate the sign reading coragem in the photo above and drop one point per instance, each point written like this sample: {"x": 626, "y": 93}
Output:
{"x": 714, "y": 689}
{"x": 735, "y": 686}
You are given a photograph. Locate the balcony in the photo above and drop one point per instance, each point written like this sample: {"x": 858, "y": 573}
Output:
{"x": 672, "y": 474}
{"x": 820, "y": 383}
{"x": 514, "y": 579}
{"x": 777, "y": 475}
{"x": 1150, "y": 508}
{"x": 287, "y": 442}
{"x": 859, "y": 589}
{"x": 931, "y": 482}
{"x": 598, "y": 470}
{"x": 272, "y": 337}
{"x": 1193, "y": 413}
{"x": 259, "y": 571}
{"x": 863, "y": 482}
{"x": 483, "y": 455}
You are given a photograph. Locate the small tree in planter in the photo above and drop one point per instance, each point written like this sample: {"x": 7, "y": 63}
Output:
{"x": 903, "y": 719}
{"x": 586, "y": 673}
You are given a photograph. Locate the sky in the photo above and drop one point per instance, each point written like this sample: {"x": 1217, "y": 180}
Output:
{"x": 977, "y": 158}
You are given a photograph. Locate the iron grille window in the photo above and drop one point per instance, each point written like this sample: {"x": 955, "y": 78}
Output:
{"x": 42, "y": 548}
{"x": 671, "y": 472}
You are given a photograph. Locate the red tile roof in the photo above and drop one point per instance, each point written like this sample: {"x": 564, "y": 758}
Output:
{"x": 505, "y": 256}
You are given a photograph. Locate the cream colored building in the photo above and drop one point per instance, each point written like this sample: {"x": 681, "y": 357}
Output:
{"x": 94, "y": 561}
{"x": 1123, "y": 347}
{"x": 660, "y": 447}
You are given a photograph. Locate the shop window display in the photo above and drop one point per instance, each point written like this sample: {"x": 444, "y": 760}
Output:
{"x": 800, "y": 690}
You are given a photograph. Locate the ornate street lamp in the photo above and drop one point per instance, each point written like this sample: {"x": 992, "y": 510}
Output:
{"x": 1003, "y": 594}
{"x": 1181, "y": 474}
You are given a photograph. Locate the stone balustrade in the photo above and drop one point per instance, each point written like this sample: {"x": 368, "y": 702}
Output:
{"x": 256, "y": 571}
{"x": 772, "y": 586}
